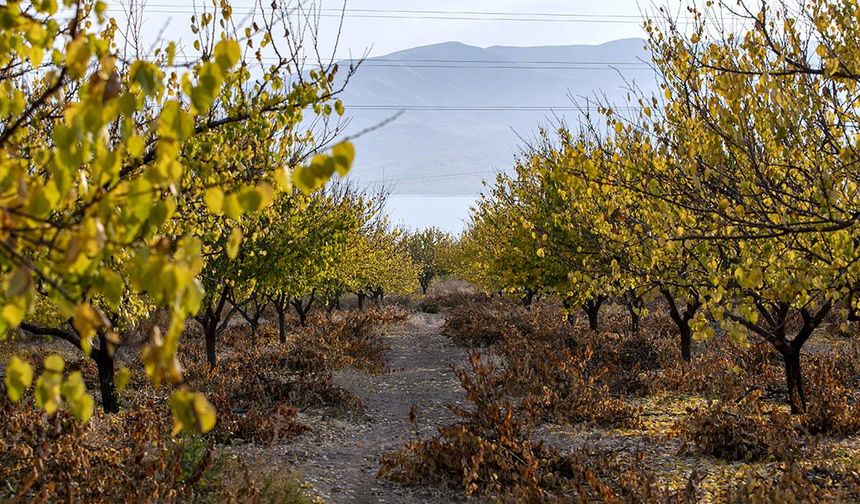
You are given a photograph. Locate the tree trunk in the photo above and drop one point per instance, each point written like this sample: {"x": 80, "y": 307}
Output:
{"x": 279, "y": 301}
{"x": 528, "y": 298}
{"x": 592, "y": 310}
{"x": 794, "y": 380}
{"x": 282, "y": 327}
{"x": 686, "y": 342}
{"x": 105, "y": 364}
{"x": 682, "y": 321}
{"x": 210, "y": 332}
{"x": 303, "y": 309}
{"x": 593, "y": 314}
{"x": 361, "y": 297}
{"x": 634, "y": 306}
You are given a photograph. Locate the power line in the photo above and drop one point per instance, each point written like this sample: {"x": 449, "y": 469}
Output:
{"x": 541, "y": 62}
{"x": 415, "y": 17}
{"x": 430, "y": 177}
{"x": 479, "y": 108}
{"x": 505, "y": 67}
{"x": 311, "y": 12}
{"x": 524, "y": 66}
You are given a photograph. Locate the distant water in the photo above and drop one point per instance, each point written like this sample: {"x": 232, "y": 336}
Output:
{"x": 448, "y": 213}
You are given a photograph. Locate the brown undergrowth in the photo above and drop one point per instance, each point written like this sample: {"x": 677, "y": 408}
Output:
{"x": 490, "y": 451}
{"x": 257, "y": 388}
{"x": 547, "y": 370}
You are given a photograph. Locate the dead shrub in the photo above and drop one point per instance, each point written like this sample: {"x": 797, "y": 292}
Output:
{"x": 791, "y": 485}
{"x": 131, "y": 457}
{"x": 490, "y": 451}
{"x": 721, "y": 370}
{"x": 740, "y": 432}
{"x": 482, "y": 323}
{"x": 833, "y": 407}
{"x": 351, "y": 339}
{"x": 442, "y": 302}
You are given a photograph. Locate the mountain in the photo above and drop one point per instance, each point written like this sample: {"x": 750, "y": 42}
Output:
{"x": 468, "y": 109}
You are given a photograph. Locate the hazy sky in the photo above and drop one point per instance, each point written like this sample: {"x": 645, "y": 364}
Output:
{"x": 388, "y": 35}
{"x": 374, "y": 25}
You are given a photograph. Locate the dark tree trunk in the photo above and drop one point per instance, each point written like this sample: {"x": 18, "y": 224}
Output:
{"x": 303, "y": 309}
{"x": 776, "y": 317}
{"x": 528, "y": 298}
{"x": 682, "y": 321}
{"x": 103, "y": 356}
{"x": 686, "y": 343}
{"x": 592, "y": 310}
{"x": 279, "y": 301}
{"x": 253, "y": 313}
{"x": 105, "y": 363}
{"x": 361, "y": 297}
{"x": 210, "y": 333}
{"x": 634, "y": 306}
{"x": 794, "y": 380}
{"x": 213, "y": 324}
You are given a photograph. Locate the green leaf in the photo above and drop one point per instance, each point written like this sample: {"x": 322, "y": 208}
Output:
{"x": 232, "y": 208}
{"x": 86, "y": 322}
{"x": 77, "y": 56}
{"x": 74, "y": 391}
{"x": 54, "y": 363}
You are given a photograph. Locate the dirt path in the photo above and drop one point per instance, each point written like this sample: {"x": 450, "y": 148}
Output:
{"x": 340, "y": 458}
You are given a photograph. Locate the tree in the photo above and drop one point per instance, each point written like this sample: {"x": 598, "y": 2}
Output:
{"x": 425, "y": 248}
{"x": 766, "y": 166}
{"x": 105, "y": 160}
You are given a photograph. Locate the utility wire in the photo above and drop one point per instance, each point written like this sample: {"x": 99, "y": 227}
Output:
{"x": 478, "y": 108}
{"x": 410, "y": 17}
{"x": 443, "y": 12}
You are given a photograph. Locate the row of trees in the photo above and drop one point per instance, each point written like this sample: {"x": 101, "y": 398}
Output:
{"x": 129, "y": 179}
{"x": 306, "y": 250}
{"x": 733, "y": 196}
{"x": 132, "y": 182}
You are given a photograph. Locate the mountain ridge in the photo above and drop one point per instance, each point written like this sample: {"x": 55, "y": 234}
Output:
{"x": 467, "y": 107}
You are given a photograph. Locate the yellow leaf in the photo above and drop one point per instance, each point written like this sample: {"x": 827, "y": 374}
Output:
{"x": 344, "y": 155}
{"x": 54, "y": 363}
{"x": 233, "y": 243}
{"x": 121, "y": 378}
{"x": 19, "y": 377}
{"x": 135, "y": 146}
{"x": 191, "y": 412}
{"x": 214, "y": 199}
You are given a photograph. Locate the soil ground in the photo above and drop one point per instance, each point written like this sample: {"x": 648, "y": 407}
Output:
{"x": 339, "y": 458}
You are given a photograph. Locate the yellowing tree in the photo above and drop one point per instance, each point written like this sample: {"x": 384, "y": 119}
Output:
{"x": 104, "y": 160}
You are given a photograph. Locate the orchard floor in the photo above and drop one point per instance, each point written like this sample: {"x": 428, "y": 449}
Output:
{"x": 339, "y": 458}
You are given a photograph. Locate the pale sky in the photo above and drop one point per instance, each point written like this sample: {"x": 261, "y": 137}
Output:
{"x": 375, "y": 25}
